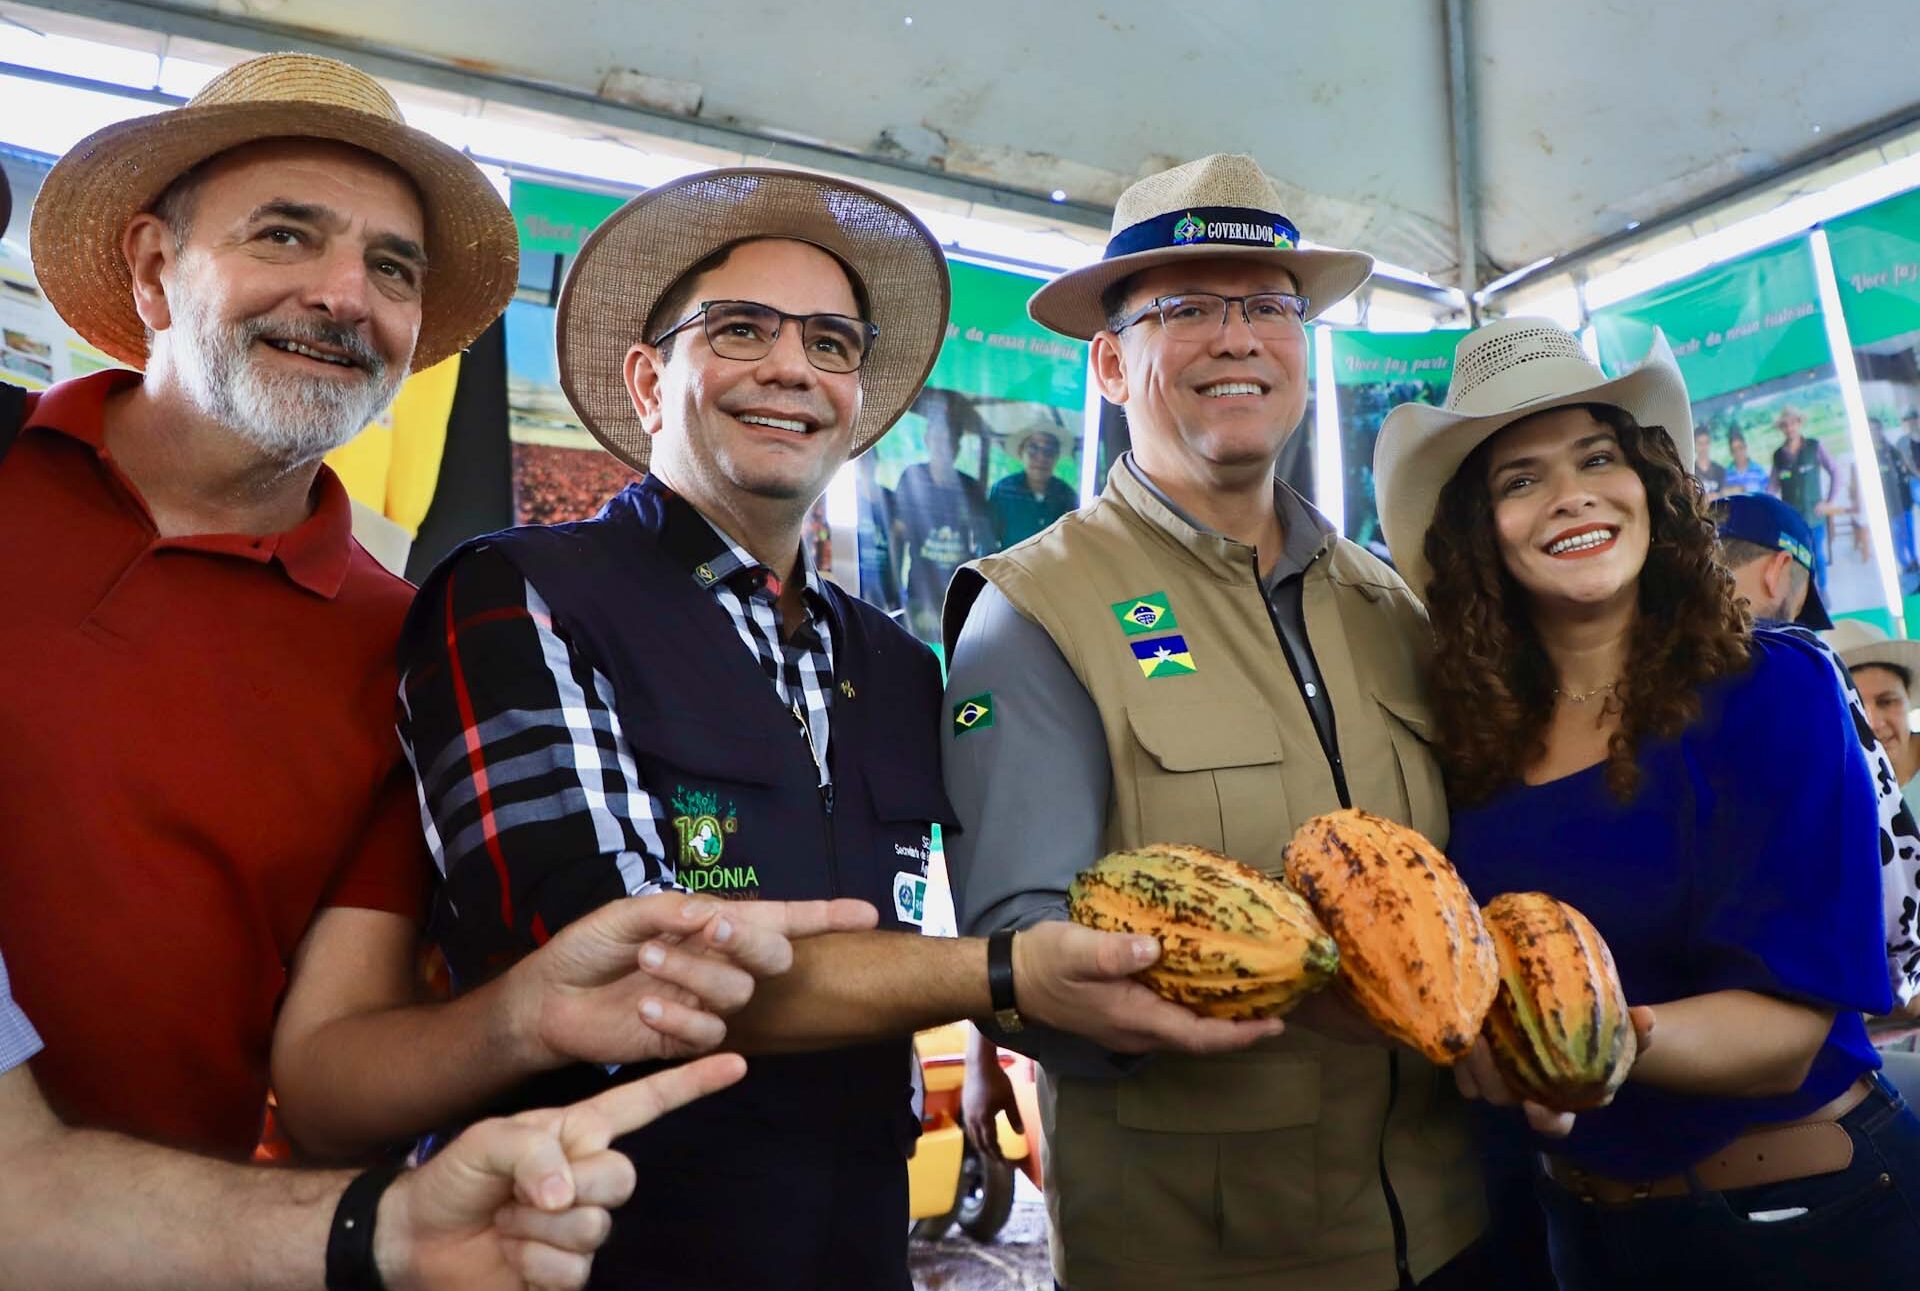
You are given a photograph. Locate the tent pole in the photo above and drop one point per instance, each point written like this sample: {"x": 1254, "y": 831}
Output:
{"x": 1465, "y": 209}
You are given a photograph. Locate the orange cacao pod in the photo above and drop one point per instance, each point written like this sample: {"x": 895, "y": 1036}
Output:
{"x": 1235, "y": 943}
{"x": 1414, "y": 952}
{"x": 1559, "y": 1028}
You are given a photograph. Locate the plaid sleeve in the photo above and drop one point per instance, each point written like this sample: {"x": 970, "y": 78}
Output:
{"x": 533, "y": 807}
{"x": 18, "y": 1040}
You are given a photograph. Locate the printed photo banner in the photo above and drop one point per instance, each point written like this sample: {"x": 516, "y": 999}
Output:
{"x": 1372, "y": 373}
{"x": 1768, "y": 415}
{"x": 1876, "y": 266}
{"x": 988, "y": 456}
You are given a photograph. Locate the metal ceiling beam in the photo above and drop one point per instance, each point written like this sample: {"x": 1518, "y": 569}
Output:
{"x": 1840, "y": 145}
{"x": 1466, "y": 211}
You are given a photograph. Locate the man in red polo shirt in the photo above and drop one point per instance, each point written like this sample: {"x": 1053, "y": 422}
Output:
{"x": 213, "y": 868}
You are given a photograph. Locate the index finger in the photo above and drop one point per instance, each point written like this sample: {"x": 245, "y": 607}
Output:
{"x": 589, "y": 1125}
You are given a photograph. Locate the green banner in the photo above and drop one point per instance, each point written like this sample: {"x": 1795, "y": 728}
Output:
{"x": 989, "y": 456}
{"x": 1372, "y": 373}
{"x": 1876, "y": 258}
{"x": 558, "y": 220}
{"x": 1739, "y": 324}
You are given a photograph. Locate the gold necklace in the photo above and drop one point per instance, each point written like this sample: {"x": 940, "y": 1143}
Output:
{"x": 1582, "y": 696}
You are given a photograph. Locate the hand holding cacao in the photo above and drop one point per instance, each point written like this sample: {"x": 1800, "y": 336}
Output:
{"x": 1235, "y": 943}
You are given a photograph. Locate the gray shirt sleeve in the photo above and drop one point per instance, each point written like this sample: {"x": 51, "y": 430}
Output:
{"x": 18, "y": 1040}
{"x": 1030, "y": 785}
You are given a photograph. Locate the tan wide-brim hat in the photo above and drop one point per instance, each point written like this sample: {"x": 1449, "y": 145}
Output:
{"x": 1860, "y": 644}
{"x": 116, "y": 173}
{"x": 1501, "y": 373}
{"x": 1017, "y": 442}
{"x": 643, "y": 248}
{"x": 1220, "y": 207}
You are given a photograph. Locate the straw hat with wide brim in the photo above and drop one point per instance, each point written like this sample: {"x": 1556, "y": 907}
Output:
{"x": 1860, "y": 645}
{"x": 1220, "y": 207}
{"x": 643, "y": 248}
{"x": 116, "y": 173}
{"x": 1501, "y": 373}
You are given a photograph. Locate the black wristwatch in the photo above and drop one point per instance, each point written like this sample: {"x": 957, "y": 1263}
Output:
{"x": 1006, "y": 1009}
{"x": 350, "y": 1263}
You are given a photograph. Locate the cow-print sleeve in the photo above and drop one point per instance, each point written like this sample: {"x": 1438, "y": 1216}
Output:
{"x": 1899, "y": 844}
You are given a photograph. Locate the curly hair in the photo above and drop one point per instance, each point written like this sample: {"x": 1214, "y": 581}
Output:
{"x": 1493, "y": 686}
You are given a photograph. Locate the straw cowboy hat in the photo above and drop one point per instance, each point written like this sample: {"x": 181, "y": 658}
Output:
{"x": 1860, "y": 644}
{"x": 1017, "y": 442}
{"x": 1501, "y": 373}
{"x": 1219, "y": 206}
{"x": 643, "y": 248}
{"x": 116, "y": 173}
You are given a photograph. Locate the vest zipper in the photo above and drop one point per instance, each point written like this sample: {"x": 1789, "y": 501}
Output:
{"x": 826, "y": 794}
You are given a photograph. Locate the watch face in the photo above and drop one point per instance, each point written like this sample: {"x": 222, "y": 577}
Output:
{"x": 1008, "y": 1020}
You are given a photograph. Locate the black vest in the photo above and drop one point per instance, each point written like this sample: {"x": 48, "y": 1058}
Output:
{"x": 711, "y": 738}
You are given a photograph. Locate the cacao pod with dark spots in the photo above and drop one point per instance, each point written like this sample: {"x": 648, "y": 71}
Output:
{"x": 1415, "y": 955}
{"x": 1559, "y": 1028}
{"x": 1234, "y": 943}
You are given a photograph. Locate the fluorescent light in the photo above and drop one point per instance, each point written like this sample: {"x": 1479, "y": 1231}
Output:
{"x": 1329, "y": 484}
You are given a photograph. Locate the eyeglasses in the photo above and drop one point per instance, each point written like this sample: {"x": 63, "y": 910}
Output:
{"x": 746, "y": 330}
{"x": 1274, "y": 315}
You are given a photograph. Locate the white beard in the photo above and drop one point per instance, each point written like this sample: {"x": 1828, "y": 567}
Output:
{"x": 293, "y": 420}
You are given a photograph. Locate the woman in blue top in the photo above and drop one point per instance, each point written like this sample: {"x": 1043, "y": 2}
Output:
{"x": 1615, "y": 733}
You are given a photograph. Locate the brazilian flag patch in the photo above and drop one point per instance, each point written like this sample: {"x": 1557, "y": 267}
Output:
{"x": 974, "y": 714}
{"x": 1163, "y": 656}
{"x": 1144, "y": 614}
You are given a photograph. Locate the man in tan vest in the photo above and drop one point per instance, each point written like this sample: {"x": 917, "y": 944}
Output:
{"x": 1199, "y": 657}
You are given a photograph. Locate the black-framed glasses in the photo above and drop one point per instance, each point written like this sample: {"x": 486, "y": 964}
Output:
{"x": 1274, "y": 315}
{"x": 746, "y": 330}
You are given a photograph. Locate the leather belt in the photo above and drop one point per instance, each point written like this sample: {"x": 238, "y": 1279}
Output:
{"x": 1815, "y": 1145}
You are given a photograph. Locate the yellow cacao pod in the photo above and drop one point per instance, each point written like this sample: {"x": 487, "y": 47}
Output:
{"x": 1235, "y": 943}
{"x": 1559, "y": 1028}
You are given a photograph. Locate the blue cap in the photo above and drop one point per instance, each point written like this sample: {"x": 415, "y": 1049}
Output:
{"x": 1766, "y": 521}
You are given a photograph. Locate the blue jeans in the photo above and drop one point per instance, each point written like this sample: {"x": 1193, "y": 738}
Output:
{"x": 1861, "y": 1230}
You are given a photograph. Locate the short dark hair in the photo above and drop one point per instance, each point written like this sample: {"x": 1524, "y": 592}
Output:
{"x": 677, "y": 299}
{"x": 1735, "y": 436}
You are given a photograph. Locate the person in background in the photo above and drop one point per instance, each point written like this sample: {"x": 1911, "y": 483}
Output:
{"x": 1767, "y": 549}
{"x": 940, "y": 515}
{"x": 1712, "y": 475}
{"x": 1884, "y": 669}
{"x": 1897, "y": 484}
{"x": 1797, "y": 465}
{"x": 1028, "y": 501}
{"x": 1710, "y": 811}
{"x": 1743, "y": 475}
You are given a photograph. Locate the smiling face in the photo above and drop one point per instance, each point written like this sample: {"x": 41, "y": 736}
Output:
{"x": 1212, "y": 408}
{"x": 1569, "y": 510}
{"x": 287, "y": 306}
{"x": 775, "y": 427}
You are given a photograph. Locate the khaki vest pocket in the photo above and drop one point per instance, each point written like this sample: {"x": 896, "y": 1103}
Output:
{"x": 1423, "y": 790}
{"x": 1208, "y": 773}
{"x": 1218, "y": 1157}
